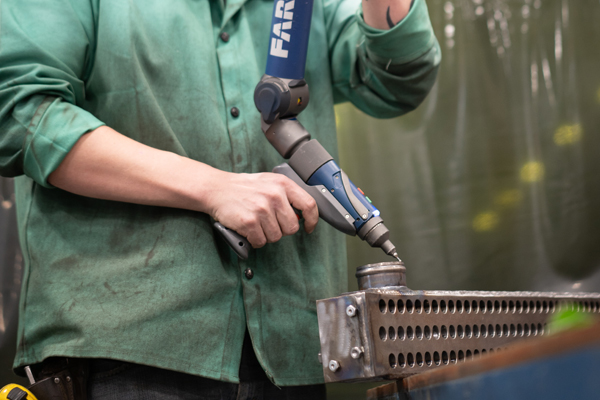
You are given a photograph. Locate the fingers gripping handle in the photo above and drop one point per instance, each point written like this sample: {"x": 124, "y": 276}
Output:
{"x": 237, "y": 242}
{"x": 329, "y": 209}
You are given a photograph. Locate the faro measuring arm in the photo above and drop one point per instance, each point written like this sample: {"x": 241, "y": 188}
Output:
{"x": 280, "y": 96}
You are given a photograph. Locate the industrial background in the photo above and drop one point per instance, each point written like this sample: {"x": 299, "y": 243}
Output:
{"x": 493, "y": 183}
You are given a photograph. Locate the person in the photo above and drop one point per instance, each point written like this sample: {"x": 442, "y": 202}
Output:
{"x": 130, "y": 126}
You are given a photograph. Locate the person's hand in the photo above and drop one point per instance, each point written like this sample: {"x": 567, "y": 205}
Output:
{"x": 104, "y": 164}
{"x": 259, "y": 206}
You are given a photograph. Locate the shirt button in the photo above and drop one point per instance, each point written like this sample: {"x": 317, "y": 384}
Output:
{"x": 249, "y": 273}
{"x": 225, "y": 37}
{"x": 235, "y": 112}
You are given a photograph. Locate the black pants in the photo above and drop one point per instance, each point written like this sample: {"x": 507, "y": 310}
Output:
{"x": 114, "y": 380}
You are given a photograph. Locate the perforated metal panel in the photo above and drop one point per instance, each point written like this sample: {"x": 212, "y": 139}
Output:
{"x": 387, "y": 334}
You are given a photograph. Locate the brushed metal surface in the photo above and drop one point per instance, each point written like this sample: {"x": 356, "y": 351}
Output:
{"x": 404, "y": 332}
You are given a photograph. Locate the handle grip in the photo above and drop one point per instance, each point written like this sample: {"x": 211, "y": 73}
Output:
{"x": 329, "y": 208}
{"x": 237, "y": 242}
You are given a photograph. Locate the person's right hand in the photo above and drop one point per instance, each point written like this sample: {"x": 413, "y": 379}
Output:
{"x": 259, "y": 206}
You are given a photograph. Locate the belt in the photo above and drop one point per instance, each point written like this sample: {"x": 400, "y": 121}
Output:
{"x": 60, "y": 379}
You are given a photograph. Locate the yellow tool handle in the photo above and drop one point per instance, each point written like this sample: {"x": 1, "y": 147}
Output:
{"x": 16, "y": 392}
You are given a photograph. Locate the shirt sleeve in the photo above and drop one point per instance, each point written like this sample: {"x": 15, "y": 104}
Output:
{"x": 46, "y": 52}
{"x": 385, "y": 73}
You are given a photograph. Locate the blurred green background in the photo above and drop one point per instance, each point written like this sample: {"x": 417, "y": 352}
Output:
{"x": 493, "y": 183}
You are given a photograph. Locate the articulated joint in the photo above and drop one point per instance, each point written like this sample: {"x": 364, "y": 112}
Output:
{"x": 308, "y": 158}
{"x": 286, "y": 135}
{"x": 278, "y": 98}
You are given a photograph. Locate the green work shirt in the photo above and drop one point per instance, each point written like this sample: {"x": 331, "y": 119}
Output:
{"x": 155, "y": 285}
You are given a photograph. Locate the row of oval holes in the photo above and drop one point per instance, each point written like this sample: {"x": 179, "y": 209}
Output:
{"x": 412, "y": 361}
{"x": 468, "y": 307}
{"x": 460, "y": 332}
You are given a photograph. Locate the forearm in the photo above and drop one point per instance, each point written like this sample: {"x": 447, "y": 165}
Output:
{"x": 385, "y": 14}
{"x": 107, "y": 165}
{"x": 393, "y": 69}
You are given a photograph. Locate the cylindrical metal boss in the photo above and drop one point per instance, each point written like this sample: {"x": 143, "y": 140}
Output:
{"x": 379, "y": 275}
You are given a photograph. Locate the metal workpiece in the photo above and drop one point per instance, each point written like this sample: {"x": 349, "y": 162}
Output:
{"x": 403, "y": 332}
{"x": 340, "y": 333}
{"x": 392, "y": 331}
{"x": 380, "y": 275}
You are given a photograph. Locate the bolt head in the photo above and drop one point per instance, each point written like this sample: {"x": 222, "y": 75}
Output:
{"x": 351, "y": 311}
{"x": 347, "y": 216}
{"x": 334, "y": 365}
{"x": 323, "y": 190}
{"x": 356, "y": 352}
{"x": 364, "y": 216}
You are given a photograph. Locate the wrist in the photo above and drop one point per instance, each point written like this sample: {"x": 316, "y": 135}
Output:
{"x": 200, "y": 186}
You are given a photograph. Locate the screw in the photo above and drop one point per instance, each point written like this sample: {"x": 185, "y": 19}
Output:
{"x": 351, "y": 311}
{"x": 323, "y": 190}
{"x": 56, "y": 380}
{"x": 356, "y": 352}
{"x": 68, "y": 379}
{"x": 347, "y": 216}
{"x": 364, "y": 216}
{"x": 334, "y": 365}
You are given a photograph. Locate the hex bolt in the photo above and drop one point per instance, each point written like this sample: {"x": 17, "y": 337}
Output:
{"x": 334, "y": 365}
{"x": 356, "y": 352}
{"x": 351, "y": 311}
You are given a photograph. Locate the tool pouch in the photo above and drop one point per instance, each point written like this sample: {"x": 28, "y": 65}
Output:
{"x": 61, "y": 379}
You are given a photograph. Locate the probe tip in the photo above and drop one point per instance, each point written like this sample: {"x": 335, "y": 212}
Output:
{"x": 390, "y": 250}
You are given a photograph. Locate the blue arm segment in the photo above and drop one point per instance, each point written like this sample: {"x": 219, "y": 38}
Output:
{"x": 288, "y": 43}
{"x": 330, "y": 175}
